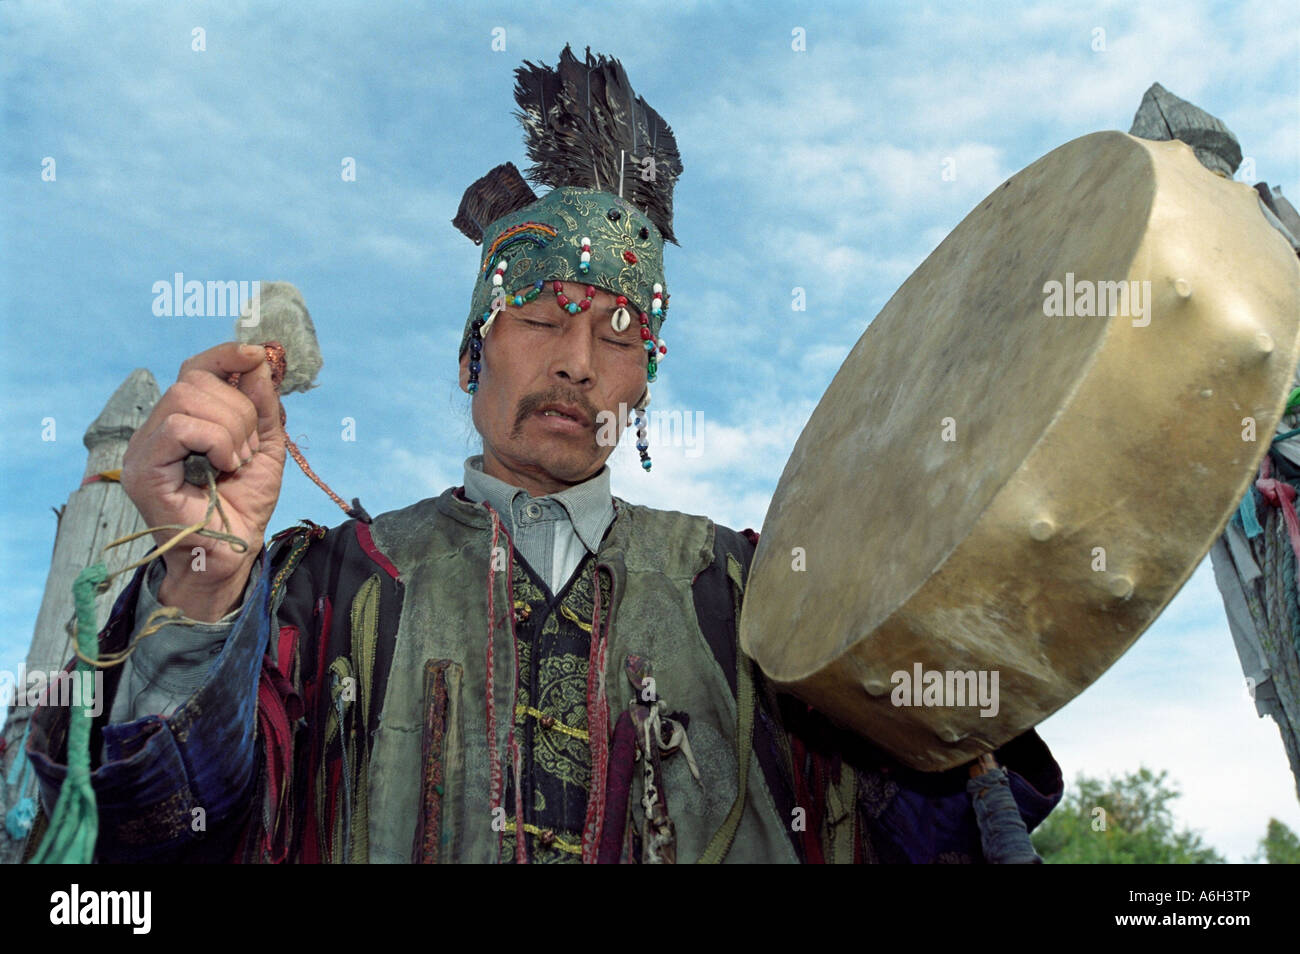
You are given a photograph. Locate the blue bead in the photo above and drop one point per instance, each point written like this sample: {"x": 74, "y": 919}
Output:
{"x": 538, "y": 284}
{"x": 642, "y": 445}
{"x": 646, "y": 464}
{"x": 572, "y": 307}
{"x": 473, "y": 386}
{"x": 474, "y": 367}
{"x": 584, "y": 267}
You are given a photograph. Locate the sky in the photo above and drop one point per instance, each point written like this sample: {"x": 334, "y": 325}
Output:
{"x": 818, "y": 168}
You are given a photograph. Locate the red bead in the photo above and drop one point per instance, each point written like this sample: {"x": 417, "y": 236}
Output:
{"x": 645, "y": 334}
{"x": 663, "y": 349}
{"x": 644, "y": 318}
{"x": 562, "y": 299}
{"x": 621, "y": 300}
{"x": 585, "y": 304}
{"x": 630, "y": 257}
{"x": 591, "y": 291}
{"x": 558, "y": 286}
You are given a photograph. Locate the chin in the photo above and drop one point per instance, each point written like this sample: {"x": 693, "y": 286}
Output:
{"x": 570, "y": 466}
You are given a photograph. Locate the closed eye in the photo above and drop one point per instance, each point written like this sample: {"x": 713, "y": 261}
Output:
{"x": 537, "y": 324}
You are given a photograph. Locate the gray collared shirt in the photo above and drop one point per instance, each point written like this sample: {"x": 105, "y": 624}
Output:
{"x": 553, "y": 532}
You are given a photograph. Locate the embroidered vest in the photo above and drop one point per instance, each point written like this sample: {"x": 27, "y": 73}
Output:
{"x": 447, "y": 749}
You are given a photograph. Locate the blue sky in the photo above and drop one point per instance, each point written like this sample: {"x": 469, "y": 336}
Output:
{"x": 818, "y": 169}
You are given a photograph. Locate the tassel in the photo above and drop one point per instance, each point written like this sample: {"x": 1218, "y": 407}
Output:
{"x": 74, "y": 826}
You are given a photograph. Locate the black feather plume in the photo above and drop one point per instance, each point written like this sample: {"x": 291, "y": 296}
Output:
{"x": 500, "y": 192}
{"x": 580, "y": 117}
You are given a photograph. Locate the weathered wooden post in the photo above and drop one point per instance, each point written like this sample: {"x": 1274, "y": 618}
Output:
{"x": 97, "y": 513}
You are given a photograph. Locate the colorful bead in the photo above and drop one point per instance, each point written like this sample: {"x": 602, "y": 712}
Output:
{"x": 475, "y": 352}
{"x": 629, "y": 256}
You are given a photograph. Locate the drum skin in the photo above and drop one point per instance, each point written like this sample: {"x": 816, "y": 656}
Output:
{"x": 989, "y": 488}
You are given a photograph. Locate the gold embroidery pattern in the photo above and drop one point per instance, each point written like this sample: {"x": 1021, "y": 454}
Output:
{"x": 558, "y": 768}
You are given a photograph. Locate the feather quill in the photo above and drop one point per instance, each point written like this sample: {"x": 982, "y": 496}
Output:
{"x": 585, "y": 126}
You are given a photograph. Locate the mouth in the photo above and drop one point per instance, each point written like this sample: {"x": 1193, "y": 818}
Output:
{"x": 563, "y": 416}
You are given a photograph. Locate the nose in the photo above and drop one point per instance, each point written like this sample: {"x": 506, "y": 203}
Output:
{"x": 572, "y": 359}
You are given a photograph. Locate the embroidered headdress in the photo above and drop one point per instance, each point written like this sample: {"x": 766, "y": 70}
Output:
{"x": 611, "y": 163}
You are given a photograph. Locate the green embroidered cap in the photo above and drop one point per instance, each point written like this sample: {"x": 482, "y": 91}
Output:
{"x": 611, "y": 163}
{"x": 544, "y": 242}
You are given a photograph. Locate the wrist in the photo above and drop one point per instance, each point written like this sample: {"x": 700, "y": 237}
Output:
{"x": 201, "y": 598}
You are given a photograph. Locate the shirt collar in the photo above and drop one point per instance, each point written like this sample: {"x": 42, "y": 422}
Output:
{"x": 589, "y": 505}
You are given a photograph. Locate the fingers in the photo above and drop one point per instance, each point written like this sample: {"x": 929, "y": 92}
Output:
{"x": 201, "y": 394}
{"x": 255, "y": 400}
{"x": 225, "y": 359}
{"x": 180, "y": 435}
{"x": 262, "y": 398}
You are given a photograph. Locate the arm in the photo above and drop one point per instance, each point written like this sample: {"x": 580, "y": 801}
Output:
{"x": 170, "y": 665}
{"x": 180, "y": 787}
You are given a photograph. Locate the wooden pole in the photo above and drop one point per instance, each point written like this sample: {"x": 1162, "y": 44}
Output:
{"x": 97, "y": 513}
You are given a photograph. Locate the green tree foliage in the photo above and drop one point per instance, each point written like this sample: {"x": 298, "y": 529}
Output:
{"x": 1120, "y": 821}
{"x": 1279, "y": 846}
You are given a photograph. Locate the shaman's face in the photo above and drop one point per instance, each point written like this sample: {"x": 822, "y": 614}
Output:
{"x": 545, "y": 380}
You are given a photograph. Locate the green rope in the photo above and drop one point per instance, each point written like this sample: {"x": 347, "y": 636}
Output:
{"x": 74, "y": 827}
{"x": 1292, "y": 401}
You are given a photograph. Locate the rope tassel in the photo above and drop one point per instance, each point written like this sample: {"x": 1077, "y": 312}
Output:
{"x": 74, "y": 827}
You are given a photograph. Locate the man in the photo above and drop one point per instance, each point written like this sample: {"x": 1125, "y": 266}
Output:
{"x": 523, "y": 668}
